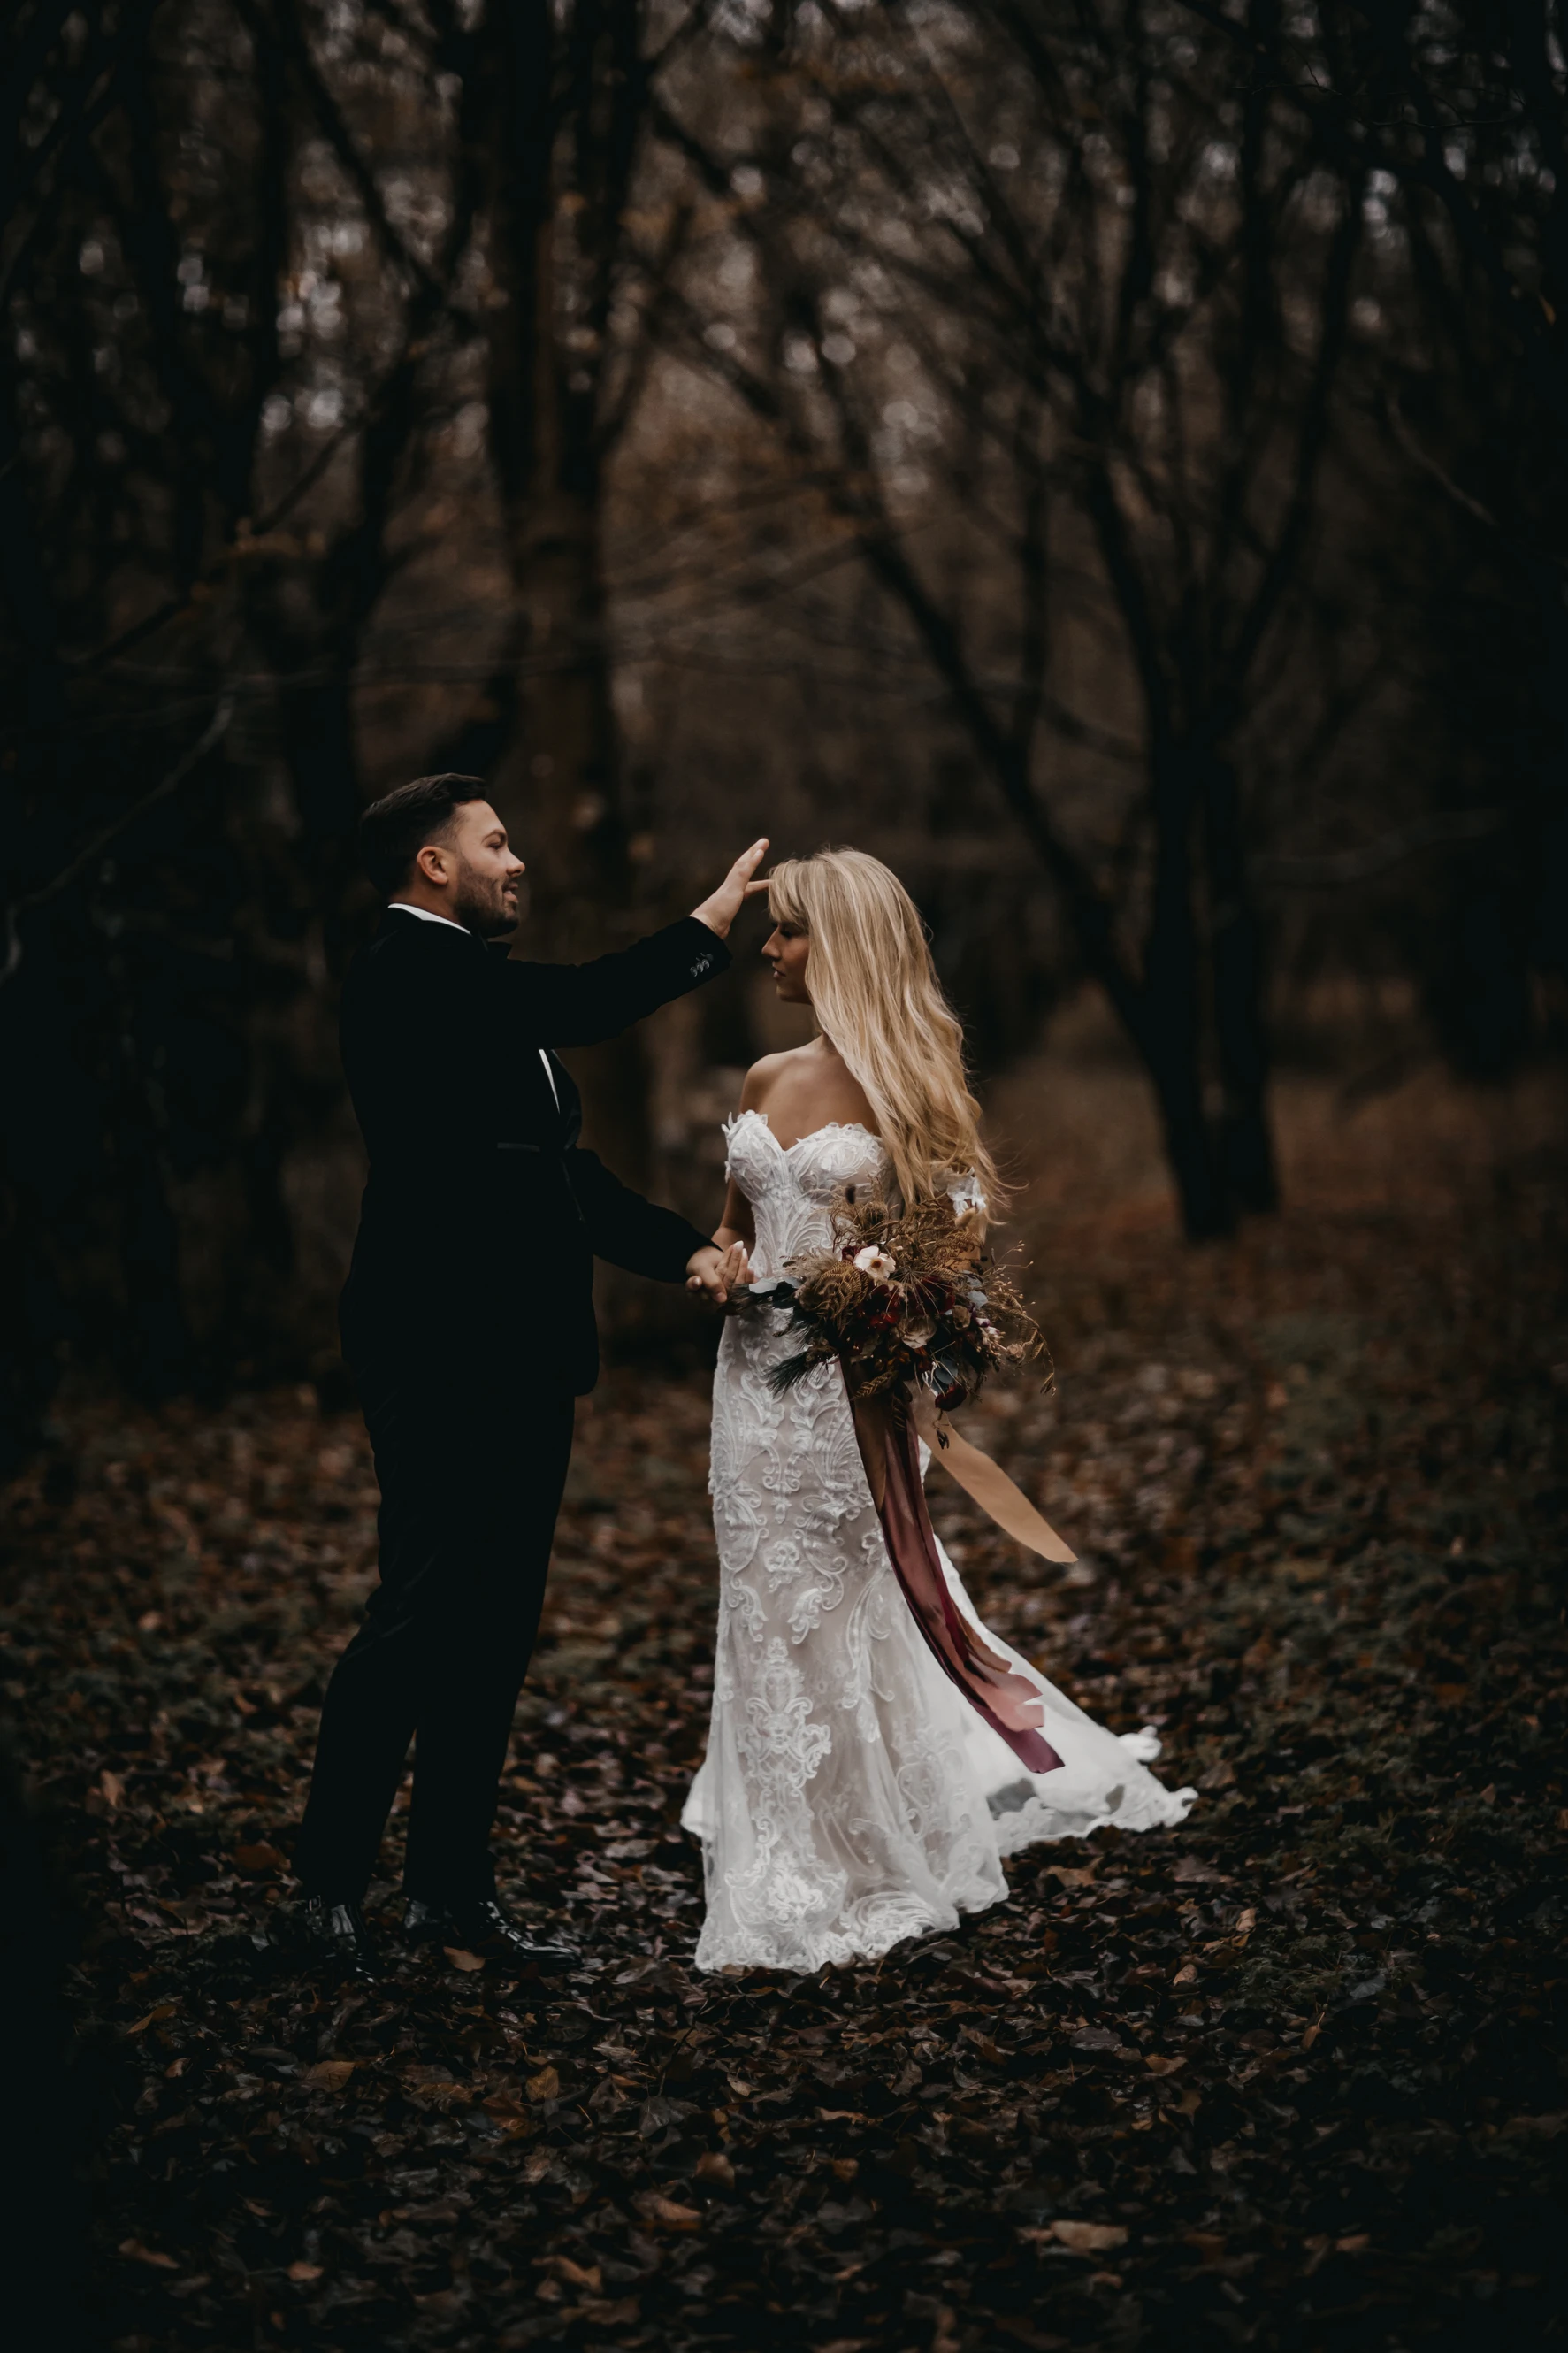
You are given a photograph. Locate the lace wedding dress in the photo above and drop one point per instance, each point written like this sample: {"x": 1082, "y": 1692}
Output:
{"x": 850, "y": 1797}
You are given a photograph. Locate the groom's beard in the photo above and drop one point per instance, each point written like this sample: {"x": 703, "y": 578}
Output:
{"x": 485, "y": 907}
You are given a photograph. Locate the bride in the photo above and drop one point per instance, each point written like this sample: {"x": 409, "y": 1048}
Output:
{"x": 851, "y": 1796}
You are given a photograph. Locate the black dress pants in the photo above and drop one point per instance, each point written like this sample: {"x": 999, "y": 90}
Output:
{"x": 471, "y": 1468}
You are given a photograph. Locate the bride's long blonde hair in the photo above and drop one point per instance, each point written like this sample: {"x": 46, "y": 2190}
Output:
{"x": 875, "y": 992}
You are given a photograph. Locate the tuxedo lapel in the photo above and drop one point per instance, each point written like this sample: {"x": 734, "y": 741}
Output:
{"x": 569, "y": 1113}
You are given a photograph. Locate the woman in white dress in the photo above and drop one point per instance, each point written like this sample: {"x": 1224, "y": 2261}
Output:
{"x": 851, "y": 1796}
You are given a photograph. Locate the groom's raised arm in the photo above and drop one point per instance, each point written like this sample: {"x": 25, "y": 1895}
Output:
{"x": 580, "y": 1004}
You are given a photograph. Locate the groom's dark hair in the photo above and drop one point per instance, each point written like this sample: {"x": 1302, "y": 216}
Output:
{"x": 395, "y": 829}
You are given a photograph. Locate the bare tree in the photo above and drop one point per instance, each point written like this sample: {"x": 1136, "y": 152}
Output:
{"x": 1123, "y": 269}
{"x": 1019, "y": 423}
{"x": 554, "y": 110}
{"x": 1455, "y": 115}
{"x": 282, "y": 282}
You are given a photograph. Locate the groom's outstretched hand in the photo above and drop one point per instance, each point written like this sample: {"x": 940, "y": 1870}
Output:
{"x": 720, "y": 911}
{"x": 716, "y": 1272}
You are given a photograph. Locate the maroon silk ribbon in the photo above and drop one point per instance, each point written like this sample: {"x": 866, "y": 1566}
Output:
{"x": 889, "y": 1449}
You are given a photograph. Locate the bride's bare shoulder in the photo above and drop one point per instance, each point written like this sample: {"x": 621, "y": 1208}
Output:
{"x": 764, "y": 1077}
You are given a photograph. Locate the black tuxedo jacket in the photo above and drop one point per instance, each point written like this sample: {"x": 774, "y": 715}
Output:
{"x": 482, "y": 1214}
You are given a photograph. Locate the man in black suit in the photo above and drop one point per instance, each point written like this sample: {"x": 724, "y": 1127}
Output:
{"x": 467, "y": 1319}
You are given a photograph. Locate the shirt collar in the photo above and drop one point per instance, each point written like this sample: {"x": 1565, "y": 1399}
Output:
{"x": 402, "y": 907}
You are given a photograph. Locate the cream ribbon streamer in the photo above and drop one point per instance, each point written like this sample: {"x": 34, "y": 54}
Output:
{"x": 992, "y": 1683}
{"x": 986, "y": 1481}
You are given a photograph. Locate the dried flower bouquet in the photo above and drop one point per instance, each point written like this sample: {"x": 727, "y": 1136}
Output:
{"x": 902, "y": 1297}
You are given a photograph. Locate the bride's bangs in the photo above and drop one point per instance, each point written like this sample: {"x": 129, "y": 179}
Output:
{"x": 785, "y": 904}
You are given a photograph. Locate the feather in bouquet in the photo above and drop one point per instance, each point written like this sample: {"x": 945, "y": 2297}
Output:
{"x": 902, "y": 1298}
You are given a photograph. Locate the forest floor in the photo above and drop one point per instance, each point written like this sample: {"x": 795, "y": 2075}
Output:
{"x": 1286, "y": 2076}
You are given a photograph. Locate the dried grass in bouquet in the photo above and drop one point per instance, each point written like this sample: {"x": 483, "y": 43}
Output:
{"x": 904, "y": 1297}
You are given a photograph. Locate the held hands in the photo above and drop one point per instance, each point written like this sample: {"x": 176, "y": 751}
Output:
{"x": 717, "y": 1273}
{"x": 720, "y": 911}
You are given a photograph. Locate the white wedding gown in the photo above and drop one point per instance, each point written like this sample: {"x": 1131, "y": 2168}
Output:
{"x": 851, "y": 1796}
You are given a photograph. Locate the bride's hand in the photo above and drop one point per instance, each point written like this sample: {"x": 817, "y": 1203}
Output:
{"x": 717, "y": 1273}
{"x": 737, "y": 1268}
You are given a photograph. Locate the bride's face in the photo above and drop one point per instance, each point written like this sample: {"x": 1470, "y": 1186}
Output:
{"x": 785, "y": 950}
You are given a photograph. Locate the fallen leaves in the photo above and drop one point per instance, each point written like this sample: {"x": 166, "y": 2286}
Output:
{"x": 1338, "y": 1976}
{"x": 140, "y": 2026}
{"x": 259, "y": 1858}
{"x": 571, "y": 2274}
{"x": 1019, "y": 2330}
{"x": 1545, "y": 2127}
{"x": 138, "y": 2253}
{"x": 1088, "y": 2238}
{"x": 665, "y": 2214}
{"x": 503, "y": 2109}
{"x": 328, "y": 2074}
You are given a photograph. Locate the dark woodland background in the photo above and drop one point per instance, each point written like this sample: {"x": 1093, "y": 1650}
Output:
{"x": 1107, "y": 458}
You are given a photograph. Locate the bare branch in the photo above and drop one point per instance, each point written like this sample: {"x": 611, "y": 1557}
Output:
{"x": 215, "y": 728}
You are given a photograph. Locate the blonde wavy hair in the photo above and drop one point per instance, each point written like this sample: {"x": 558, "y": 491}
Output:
{"x": 875, "y": 992}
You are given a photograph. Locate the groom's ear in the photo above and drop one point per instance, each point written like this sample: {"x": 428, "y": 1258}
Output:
{"x": 434, "y": 859}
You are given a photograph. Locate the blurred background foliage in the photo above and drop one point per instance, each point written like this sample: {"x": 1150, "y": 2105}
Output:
{"x": 1105, "y": 457}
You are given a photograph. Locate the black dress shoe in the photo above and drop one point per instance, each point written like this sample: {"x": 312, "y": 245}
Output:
{"x": 481, "y": 1925}
{"x": 339, "y": 1933}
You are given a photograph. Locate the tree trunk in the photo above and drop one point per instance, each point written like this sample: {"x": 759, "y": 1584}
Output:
{"x": 558, "y": 790}
{"x": 1168, "y": 1027}
{"x": 35, "y": 792}
{"x": 1169, "y": 1053}
{"x": 156, "y": 1358}
{"x": 558, "y": 785}
{"x": 1246, "y": 1144}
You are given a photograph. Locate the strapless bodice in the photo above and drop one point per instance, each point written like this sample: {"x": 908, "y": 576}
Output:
{"x": 793, "y": 1192}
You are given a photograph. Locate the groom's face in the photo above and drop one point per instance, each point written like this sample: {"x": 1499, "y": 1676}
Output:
{"x": 484, "y": 871}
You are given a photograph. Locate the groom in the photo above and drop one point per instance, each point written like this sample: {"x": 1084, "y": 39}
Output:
{"x": 467, "y": 1320}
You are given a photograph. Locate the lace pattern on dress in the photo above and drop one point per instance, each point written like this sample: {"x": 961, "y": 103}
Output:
{"x": 849, "y": 1797}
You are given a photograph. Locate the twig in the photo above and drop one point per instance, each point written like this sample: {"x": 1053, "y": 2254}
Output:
{"x": 1358, "y": 865}
{"x": 1400, "y": 427}
{"x": 216, "y": 727}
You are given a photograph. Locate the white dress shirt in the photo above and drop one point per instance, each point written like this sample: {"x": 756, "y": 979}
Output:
{"x": 426, "y": 916}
